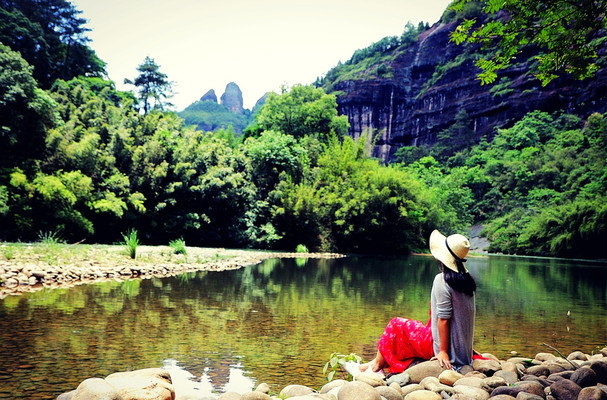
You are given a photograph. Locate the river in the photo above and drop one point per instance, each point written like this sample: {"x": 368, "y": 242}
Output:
{"x": 278, "y": 322}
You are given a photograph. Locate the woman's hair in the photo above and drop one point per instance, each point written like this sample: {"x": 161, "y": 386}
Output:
{"x": 462, "y": 282}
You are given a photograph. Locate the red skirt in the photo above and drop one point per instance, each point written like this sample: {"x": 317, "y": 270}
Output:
{"x": 403, "y": 341}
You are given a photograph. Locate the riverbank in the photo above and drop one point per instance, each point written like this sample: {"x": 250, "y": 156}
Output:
{"x": 546, "y": 376}
{"x": 27, "y": 267}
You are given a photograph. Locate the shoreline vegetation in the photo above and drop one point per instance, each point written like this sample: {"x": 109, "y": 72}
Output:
{"x": 28, "y": 267}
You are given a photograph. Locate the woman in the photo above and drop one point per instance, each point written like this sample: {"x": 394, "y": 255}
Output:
{"x": 449, "y": 333}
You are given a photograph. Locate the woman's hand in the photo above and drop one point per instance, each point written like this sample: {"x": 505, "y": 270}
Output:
{"x": 443, "y": 359}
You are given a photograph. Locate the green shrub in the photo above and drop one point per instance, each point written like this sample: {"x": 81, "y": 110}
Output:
{"x": 131, "y": 241}
{"x": 301, "y": 248}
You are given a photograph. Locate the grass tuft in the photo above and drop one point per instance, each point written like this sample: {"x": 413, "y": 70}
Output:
{"x": 131, "y": 241}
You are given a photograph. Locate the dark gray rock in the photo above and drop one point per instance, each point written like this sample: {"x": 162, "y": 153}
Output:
{"x": 600, "y": 368}
{"x": 592, "y": 393}
{"x": 565, "y": 390}
{"x": 402, "y": 379}
{"x": 584, "y": 377}
{"x": 531, "y": 387}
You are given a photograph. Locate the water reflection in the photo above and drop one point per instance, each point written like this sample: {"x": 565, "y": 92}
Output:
{"x": 278, "y": 321}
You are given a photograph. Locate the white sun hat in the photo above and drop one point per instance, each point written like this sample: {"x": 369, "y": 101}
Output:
{"x": 451, "y": 250}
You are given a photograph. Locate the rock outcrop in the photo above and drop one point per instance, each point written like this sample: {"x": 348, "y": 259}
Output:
{"x": 209, "y": 96}
{"x": 232, "y": 98}
{"x": 434, "y": 79}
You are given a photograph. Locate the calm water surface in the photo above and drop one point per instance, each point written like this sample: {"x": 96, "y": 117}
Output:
{"x": 277, "y": 322}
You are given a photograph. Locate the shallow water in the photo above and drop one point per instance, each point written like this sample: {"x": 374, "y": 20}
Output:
{"x": 277, "y": 322}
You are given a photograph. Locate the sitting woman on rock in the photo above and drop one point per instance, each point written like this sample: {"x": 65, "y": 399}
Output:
{"x": 448, "y": 335}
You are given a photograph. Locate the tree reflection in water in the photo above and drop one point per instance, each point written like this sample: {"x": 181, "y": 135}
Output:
{"x": 277, "y": 322}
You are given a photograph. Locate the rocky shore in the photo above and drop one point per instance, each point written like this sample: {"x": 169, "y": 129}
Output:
{"x": 545, "y": 377}
{"x": 35, "y": 267}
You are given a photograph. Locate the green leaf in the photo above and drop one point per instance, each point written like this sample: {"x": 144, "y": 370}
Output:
{"x": 330, "y": 376}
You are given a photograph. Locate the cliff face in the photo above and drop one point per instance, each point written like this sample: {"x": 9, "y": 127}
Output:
{"x": 406, "y": 110}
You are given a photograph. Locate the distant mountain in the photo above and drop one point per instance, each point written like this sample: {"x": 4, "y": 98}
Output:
{"x": 209, "y": 115}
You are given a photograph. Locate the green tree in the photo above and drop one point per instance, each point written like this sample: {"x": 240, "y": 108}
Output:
{"x": 304, "y": 110}
{"x": 567, "y": 33}
{"x": 153, "y": 85}
{"x": 51, "y": 36}
{"x": 26, "y": 112}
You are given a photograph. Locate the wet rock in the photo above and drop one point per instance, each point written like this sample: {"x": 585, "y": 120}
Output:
{"x": 592, "y": 393}
{"x": 333, "y": 384}
{"x": 422, "y": 395}
{"x": 565, "y": 390}
{"x": 96, "y": 389}
{"x": 528, "y": 387}
{"x": 600, "y": 369}
{"x": 402, "y": 379}
{"x": 584, "y": 377}
{"x": 358, "y": 391}
{"x": 296, "y": 390}
{"x": 471, "y": 393}
{"x": 449, "y": 377}
{"x": 423, "y": 370}
{"x": 487, "y": 367}
{"x": 389, "y": 393}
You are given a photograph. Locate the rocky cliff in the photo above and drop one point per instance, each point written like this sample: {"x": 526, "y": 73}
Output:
{"x": 424, "y": 86}
{"x": 232, "y": 98}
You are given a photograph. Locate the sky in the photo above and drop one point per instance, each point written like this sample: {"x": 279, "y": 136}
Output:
{"x": 260, "y": 45}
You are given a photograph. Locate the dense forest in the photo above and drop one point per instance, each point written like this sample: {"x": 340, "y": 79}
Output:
{"x": 85, "y": 162}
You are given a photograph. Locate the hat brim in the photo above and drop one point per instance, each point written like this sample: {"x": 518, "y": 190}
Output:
{"x": 439, "y": 250}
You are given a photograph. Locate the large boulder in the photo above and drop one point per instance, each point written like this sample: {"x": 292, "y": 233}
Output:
{"x": 143, "y": 384}
{"x": 423, "y": 370}
{"x": 96, "y": 389}
{"x": 584, "y": 377}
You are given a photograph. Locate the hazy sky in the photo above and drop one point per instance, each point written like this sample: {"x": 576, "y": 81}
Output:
{"x": 259, "y": 44}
